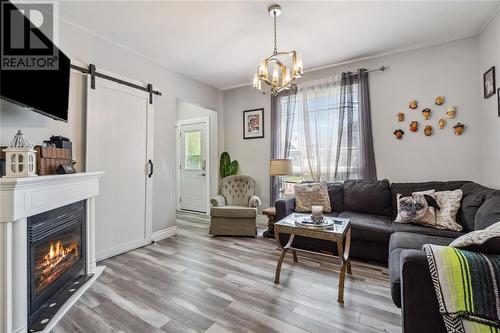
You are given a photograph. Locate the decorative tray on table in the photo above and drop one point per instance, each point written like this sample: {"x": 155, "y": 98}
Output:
{"x": 307, "y": 221}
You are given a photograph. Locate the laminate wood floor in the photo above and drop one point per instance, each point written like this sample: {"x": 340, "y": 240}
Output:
{"x": 196, "y": 283}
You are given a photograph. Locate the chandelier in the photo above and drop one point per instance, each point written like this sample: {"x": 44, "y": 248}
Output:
{"x": 273, "y": 71}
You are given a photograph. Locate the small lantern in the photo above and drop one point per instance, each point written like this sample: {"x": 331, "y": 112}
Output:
{"x": 20, "y": 157}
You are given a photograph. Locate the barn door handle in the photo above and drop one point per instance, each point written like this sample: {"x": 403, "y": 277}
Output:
{"x": 150, "y": 168}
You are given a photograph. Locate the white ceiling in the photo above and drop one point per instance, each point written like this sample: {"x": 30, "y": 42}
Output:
{"x": 221, "y": 43}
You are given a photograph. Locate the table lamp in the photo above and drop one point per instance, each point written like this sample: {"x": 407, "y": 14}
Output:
{"x": 281, "y": 167}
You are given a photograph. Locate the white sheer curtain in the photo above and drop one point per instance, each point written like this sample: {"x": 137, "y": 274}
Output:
{"x": 324, "y": 139}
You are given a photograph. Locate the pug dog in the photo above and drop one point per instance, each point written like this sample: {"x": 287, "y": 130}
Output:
{"x": 418, "y": 208}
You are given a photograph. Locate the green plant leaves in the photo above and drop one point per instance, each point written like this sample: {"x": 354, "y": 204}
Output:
{"x": 227, "y": 167}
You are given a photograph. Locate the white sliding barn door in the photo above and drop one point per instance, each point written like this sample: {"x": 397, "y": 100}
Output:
{"x": 119, "y": 142}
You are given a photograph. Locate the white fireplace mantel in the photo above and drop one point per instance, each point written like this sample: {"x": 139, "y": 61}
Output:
{"x": 19, "y": 199}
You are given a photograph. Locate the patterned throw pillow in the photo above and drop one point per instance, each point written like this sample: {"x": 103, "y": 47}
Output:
{"x": 309, "y": 194}
{"x": 485, "y": 241}
{"x": 449, "y": 204}
{"x": 418, "y": 208}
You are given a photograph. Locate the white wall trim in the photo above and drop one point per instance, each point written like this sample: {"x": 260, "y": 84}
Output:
{"x": 165, "y": 233}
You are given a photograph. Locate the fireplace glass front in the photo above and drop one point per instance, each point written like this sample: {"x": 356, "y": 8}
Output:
{"x": 56, "y": 254}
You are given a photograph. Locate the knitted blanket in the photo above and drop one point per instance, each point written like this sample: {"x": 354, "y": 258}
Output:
{"x": 467, "y": 286}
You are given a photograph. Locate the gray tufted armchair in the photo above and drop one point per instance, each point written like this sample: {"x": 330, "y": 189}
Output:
{"x": 234, "y": 210}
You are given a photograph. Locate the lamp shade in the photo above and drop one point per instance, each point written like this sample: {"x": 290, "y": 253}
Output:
{"x": 281, "y": 167}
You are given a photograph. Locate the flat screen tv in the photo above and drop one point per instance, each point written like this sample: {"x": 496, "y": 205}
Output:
{"x": 44, "y": 91}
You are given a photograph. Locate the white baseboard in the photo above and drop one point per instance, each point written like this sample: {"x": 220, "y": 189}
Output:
{"x": 165, "y": 233}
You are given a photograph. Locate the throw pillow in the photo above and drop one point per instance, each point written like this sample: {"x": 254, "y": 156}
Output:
{"x": 449, "y": 204}
{"x": 418, "y": 208}
{"x": 485, "y": 241}
{"x": 488, "y": 213}
{"x": 309, "y": 194}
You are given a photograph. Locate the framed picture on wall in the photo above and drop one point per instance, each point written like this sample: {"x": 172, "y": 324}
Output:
{"x": 489, "y": 83}
{"x": 253, "y": 124}
{"x": 498, "y": 97}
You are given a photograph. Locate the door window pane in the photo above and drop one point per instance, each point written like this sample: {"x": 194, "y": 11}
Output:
{"x": 192, "y": 150}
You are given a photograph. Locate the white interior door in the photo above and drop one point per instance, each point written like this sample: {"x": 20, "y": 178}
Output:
{"x": 193, "y": 166}
{"x": 119, "y": 142}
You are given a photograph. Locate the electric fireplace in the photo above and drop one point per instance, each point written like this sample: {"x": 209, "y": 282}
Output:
{"x": 56, "y": 255}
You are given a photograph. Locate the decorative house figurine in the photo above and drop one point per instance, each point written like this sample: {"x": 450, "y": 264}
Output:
{"x": 399, "y": 134}
{"x": 428, "y": 130}
{"x": 426, "y": 113}
{"x": 20, "y": 157}
{"x": 413, "y": 104}
{"x": 439, "y": 100}
{"x": 459, "y": 128}
{"x": 414, "y": 126}
{"x": 400, "y": 116}
{"x": 451, "y": 112}
{"x": 441, "y": 123}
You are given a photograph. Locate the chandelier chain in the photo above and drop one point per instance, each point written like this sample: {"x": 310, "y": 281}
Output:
{"x": 275, "y": 39}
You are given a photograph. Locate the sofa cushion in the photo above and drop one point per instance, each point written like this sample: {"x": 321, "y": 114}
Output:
{"x": 423, "y": 230}
{"x": 233, "y": 211}
{"x": 488, "y": 213}
{"x": 449, "y": 204}
{"x": 366, "y": 196}
{"x": 368, "y": 227}
{"x": 474, "y": 197}
{"x": 409, "y": 188}
{"x": 311, "y": 194}
{"x": 484, "y": 241}
{"x": 417, "y": 208}
{"x": 336, "y": 194}
{"x": 399, "y": 242}
{"x": 412, "y": 241}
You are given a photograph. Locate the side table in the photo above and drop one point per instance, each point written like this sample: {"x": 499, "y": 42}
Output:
{"x": 339, "y": 234}
{"x": 271, "y": 216}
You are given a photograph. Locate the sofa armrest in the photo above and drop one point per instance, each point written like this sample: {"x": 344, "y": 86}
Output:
{"x": 419, "y": 303}
{"x": 284, "y": 207}
{"x": 254, "y": 201}
{"x": 218, "y": 201}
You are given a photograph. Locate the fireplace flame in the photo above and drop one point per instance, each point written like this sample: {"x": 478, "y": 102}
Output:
{"x": 58, "y": 252}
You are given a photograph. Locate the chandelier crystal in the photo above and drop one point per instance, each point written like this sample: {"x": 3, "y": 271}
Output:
{"x": 273, "y": 71}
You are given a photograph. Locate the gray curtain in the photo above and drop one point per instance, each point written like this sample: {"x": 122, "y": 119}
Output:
{"x": 281, "y": 135}
{"x": 354, "y": 112}
{"x": 345, "y": 145}
{"x": 368, "y": 169}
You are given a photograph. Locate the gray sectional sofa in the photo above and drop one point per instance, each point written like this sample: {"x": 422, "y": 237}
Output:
{"x": 371, "y": 206}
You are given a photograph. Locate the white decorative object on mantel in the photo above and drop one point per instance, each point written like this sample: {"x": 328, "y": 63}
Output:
{"x": 24, "y": 197}
{"x": 20, "y": 158}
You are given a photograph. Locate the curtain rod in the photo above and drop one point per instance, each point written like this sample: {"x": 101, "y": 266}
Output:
{"x": 381, "y": 69}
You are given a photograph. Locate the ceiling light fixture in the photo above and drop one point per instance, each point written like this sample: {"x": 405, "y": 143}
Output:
{"x": 273, "y": 70}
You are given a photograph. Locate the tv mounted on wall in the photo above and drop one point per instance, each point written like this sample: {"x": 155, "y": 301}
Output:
{"x": 42, "y": 90}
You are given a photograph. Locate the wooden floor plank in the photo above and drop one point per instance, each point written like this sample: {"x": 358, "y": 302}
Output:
{"x": 197, "y": 283}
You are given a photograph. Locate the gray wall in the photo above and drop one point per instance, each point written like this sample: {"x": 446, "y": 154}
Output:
{"x": 252, "y": 154}
{"x": 448, "y": 69}
{"x": 89, "y": 48}
{"x": 489, "y": 55}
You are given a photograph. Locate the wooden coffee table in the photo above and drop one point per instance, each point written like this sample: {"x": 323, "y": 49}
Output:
{"x": 340, "y": 234}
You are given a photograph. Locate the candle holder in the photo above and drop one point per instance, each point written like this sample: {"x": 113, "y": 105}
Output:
{"x": 317, "y": 214}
